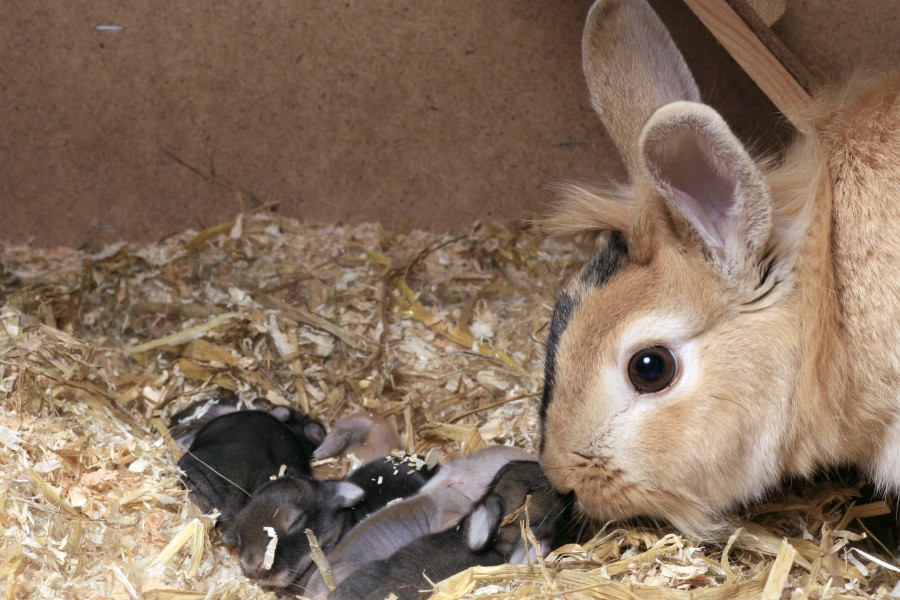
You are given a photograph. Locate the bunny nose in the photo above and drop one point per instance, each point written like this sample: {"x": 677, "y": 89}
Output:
{"x": 252, "y": 567}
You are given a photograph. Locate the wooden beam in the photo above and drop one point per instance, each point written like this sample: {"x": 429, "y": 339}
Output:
{"x": 759, "y": 52}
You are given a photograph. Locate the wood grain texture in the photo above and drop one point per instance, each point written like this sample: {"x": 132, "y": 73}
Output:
{"x": 749, "y": 51}
{"x": 383, "y": 110}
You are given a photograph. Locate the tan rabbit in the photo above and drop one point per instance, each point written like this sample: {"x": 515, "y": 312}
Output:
{"x": 741, "y": 323}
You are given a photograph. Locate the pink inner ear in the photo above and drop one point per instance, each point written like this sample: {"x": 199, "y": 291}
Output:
{"x": 700, "y": 218}
{"x": 479, "y": 530}
{"x": 704, "y": 191}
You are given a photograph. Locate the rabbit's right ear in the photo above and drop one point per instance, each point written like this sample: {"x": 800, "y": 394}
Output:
{"x": 484, "y": 522}
{"x": 710, "y": 181}
{"x": 632, "y": 68}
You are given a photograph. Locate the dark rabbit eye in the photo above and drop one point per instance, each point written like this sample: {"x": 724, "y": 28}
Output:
{"x": 652, "y": 369}
{"x": 289, "y": 521}
{"x": 298, "y": 524}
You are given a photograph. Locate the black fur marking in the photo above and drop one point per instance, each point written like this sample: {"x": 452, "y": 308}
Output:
{"x": 769, "y": 263}
{"x": 607, "y": 262}
{"x": 767, "y": 284}
{"x": 565, "y": 308}
{"x": 595, "y": 274}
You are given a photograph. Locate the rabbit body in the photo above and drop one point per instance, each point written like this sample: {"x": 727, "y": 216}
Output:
{"x": 741, "y": 322}
{"x": 859, "y": 133}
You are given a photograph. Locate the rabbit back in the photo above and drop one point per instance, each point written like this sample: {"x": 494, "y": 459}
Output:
{"x": 859, "y": 129}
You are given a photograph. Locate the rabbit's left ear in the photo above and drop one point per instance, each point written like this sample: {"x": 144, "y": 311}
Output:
{"x": 711, "y": 185}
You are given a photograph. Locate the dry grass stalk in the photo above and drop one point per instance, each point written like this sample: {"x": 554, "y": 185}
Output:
{"x": 321, "y": 561}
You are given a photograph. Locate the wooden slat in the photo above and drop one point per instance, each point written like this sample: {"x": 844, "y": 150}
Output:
{"x": 782, "y": 53}
{"x": 757, "y": 60}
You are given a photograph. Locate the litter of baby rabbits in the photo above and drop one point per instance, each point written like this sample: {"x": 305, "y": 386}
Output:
{"x": 441, "y": 335}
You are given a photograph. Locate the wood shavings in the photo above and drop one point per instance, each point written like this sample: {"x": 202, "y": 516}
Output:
{"x": 441, "y": 335}
{"x": 195, "y": 533}
{"x": 281, "y": 471}
{"x": 781, "y": 570}
{"x": 879, "y": 561}
{"x": 318, "y": 557}
{"x": 269, "y": 556}
{"x": 189, "y": 334}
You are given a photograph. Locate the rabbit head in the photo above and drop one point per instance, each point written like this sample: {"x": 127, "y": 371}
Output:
{"x": 671, "y": 355}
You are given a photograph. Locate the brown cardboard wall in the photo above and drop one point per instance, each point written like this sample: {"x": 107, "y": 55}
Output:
{"x": 387, "y": 110}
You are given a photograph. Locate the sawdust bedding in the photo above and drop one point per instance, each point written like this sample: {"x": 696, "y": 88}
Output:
{"x": 441, "y": 333}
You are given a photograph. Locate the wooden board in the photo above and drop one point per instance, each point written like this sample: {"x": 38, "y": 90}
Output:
{"x": 759, "y": 52}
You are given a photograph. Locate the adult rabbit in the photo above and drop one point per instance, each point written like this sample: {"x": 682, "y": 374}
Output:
{"x": 741, "y": 322}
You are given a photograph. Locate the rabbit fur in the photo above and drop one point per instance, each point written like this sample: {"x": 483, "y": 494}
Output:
{"x": 774, "y": 285}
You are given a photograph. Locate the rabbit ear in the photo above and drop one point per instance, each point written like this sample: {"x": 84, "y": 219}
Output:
{"x": 711, "y": 183}
{"x": 484, "y": 522}
{"x": 632, "y": 68}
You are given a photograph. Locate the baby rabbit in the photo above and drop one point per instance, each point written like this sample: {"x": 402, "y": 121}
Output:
{"x": 290, "y": 506}
{"x": 741, "y": 322}
{"x": 549, "y": 514}
{"x": 186, "y": 424}
{"x": 440, "y": 505}
{"x": 367, "y": 437}
{"x": 383, "y": 481}
{"x": 436, "y": 556}
{"x": 236, "y": 453}
{"x": 479, "y": 540}
{"x": 329, "y": 508}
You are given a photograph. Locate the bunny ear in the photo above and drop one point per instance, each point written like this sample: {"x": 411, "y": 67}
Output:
{"x": 484, "y": 522}
{"x": 632, "y": 68}
{"x": 711, "y": 183}
{"x": 314, "y": 431}
{"x": 348, "y": 494}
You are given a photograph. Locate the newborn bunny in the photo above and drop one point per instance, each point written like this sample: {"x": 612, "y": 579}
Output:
{"x": 549, "y": 514}
{"x": 383, "y": 481}
{"x": 741, "y": 322}
{"x": 236, "y": 453}
{"x": 439, "y": 505}
{"x": 479, "y": 540}
{"x": 184, "y": 425}
{"x": 329, "y": 508}
{"x": 368, "y": 437}
{"x": 436, "y": 556}
{"x": 289, "y": 506}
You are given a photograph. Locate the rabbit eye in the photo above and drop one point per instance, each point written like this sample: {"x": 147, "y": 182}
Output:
{"x": 297, "y": 524}
{"x": 652, "y": 369}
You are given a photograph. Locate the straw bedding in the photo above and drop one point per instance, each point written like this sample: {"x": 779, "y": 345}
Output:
{"x": 440, "y": 333}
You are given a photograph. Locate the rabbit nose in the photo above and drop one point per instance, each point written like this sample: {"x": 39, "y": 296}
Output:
{"x": 253, "y": 567}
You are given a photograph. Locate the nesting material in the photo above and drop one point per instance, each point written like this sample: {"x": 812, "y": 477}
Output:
{"x": 269, "y": 557}
{"x": 442, "y": 335}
